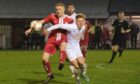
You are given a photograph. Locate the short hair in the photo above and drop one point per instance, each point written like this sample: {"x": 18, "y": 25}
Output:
{"x": 70, "y": 4}
{"x": 121, "y": 12}
{"x": 80, "y": 15}
{"x": 59, "y": 4}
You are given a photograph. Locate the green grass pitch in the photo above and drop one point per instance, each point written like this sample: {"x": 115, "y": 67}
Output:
{"x": 25, "y": 67}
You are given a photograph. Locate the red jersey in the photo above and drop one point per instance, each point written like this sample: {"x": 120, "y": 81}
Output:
{"x": 58, "y": 33}
{"x": 84, "y": 41}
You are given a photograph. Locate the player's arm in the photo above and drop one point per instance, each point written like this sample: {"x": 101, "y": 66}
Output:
{"x": 28, "y": 31}
{"x": 82, "y": 32}
{"x": 60, "y": 26}
{"x": 32, "y": 25}
{"x": 57, "y": 26}
{"x": 82, "y": 29}
{"x": 127, "y": 29}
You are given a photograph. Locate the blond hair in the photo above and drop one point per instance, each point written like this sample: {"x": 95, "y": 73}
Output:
{"x": 60, "y": 4}
{"x": 81, "y": 15}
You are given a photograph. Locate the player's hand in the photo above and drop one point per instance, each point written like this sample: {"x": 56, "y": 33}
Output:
{"x": 27, "y": 32}
{"x": 122, "y": 30}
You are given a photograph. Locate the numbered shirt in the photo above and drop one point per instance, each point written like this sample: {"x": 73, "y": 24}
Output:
{"x": 74, "y": 33}
{"x": 54, "y": 19}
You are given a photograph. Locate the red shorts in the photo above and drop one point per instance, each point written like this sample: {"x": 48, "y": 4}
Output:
{"x": 52, "y": 43}
{"x": 84, "y": 42}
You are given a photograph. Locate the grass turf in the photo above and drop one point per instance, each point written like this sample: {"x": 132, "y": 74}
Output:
{"x": 25, "y": 67}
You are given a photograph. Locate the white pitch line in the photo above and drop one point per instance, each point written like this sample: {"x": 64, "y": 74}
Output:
{"x": 100, "y": 66}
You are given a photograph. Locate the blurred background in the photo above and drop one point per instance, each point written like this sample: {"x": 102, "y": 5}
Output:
{"x": 16, "y": 15}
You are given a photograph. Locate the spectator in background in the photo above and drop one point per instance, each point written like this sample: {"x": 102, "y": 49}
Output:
{"x": 105, "y": 37}
{"x": 34, "y": 40}
{"x": 41, "y": 41}
{"x": 97, "y": 37}
{"x": 91, "y": 37}
{"x": 134, "y": 33}
{"x": 26, "y": 42}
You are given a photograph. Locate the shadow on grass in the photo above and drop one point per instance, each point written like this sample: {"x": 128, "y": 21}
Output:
{"x": 3, "y": 80}
{"x": 34, "y": 81}
{"x": 55, "y": 74}
{"x": 39, "y": 81}
{"x": 37, "y": 72}
{"x": 60, "y": 82}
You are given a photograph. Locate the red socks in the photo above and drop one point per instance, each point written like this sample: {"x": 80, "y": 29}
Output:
{"x": 62, "y": 56}
{"x": 47, "y": 67}
{"x": 84, "y": 54}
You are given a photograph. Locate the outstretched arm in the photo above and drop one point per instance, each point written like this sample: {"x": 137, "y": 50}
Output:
{"x": 32, "y": 25}
{"x": 61, "y": 26}
{"x": 82, "y": 29}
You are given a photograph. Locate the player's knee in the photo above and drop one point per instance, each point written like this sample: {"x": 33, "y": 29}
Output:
{"x": 75, "y": 64}
{"x": 76, "y": 67}
{"x": 45, "y": 57}
{"x": 85, "y": 48}
{"x": 63, "y": 46}
{"x": 115, "y": 48}
{"x": 81, "y": 61}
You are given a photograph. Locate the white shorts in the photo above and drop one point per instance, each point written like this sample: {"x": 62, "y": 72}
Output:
{"x": 73, "y": 53}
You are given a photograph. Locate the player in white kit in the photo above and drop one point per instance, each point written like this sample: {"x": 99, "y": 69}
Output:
{"x": 73, "y": 50}
{"x": 71, "y": 14}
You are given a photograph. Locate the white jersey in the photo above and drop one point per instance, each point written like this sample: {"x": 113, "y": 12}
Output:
{"x": 74, "y": 34}
{"x": 73, "y": 16}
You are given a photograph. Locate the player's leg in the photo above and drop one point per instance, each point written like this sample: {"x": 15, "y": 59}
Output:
{"x": 83, "y": 68}
{"x": 73, "y": 60}
{"x": 62, "y": 55}
{"x": 46, "y": 62}
{"x": 72, "y": 70}
{"x": 76, "y": 71}
{"x": 114, "y": 52}
{"x": 84, "y": 51}
{"x": 120, "y": 50}
{"x": 47, "y": 66}
{"x": 122, "y": 45}
{"x": 82, "y": 64}
{"x": 48, "y": 51}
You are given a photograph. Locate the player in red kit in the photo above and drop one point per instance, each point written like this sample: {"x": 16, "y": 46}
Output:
{"x": 56, "y": 38}
{"x": 84, "y": 40}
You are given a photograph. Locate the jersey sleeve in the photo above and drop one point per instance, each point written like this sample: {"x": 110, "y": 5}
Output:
{"x": 47, "y": 19}
{"x": 67, "y": 27}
